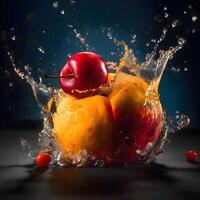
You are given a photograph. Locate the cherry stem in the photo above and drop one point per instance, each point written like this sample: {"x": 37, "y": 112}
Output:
{"x": 63, "y": 76}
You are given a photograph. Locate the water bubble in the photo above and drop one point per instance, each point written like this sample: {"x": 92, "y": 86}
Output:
{"x": 12, "y": 29}
{"x": 14, "y": 37}
{"x": 184, "y": 12}
{"x": 10, "y": 84}
{"x": 41, "y": 49}
{"x": 166, "y": 15}
{"x": 62, "y": 12}
{"x": 147, "y": 44}
{"x": 43, "y": 31}
{"x": 55, "y": 4}
{"x": 165, "y": 8}
{"x": 174, "y": 23}
{"x": 194, "y": 18}
{"x": 185, "y": 69}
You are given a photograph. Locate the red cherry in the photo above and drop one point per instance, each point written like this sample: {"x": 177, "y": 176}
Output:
{"x": 83, "y": 71}
{"x": 192, "y": 156}
{"x": 43, "y": 160}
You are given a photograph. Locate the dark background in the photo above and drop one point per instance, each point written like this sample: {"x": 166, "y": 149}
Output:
{"x": 170, "y": 176}
{"x": 145, "y": 18}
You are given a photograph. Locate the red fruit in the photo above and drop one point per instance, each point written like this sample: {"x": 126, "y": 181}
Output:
{"x": 192, "y": 156}
{"x": 43, "y": 160}
{"x": 88, "y": 70}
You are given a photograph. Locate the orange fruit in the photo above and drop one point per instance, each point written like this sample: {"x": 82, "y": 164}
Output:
{"x": 124, "y": 121}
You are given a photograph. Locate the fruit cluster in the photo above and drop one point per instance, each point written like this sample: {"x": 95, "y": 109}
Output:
{"x": 114, "y": 126}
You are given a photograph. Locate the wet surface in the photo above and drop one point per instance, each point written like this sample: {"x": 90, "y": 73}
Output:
{"x": 169, "y": 177}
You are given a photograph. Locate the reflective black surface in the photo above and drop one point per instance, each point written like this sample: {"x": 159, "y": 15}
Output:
{"x": 169, "y": 177}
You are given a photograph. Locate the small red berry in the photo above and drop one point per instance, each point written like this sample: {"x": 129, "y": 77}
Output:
{"x": 192, "y": 156}
{"x": 43, "y": 160}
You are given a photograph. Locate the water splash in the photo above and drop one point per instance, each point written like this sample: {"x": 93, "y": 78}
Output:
{"x": 48, "y": 98}
{"x": 27, "y": 149}
{"x": 80, "y": 37}
{"x": 55, "y": 4}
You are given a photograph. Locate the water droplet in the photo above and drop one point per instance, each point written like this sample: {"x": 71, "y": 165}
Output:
{"x": 27, "y": 68}
{"x": 155, "y": 18}
{"x": 72, "y": 1}
{"x": 166, "y": 15}
{"x": 43, "y": 31}
{"x": 190, "y": 7}
{"x": 185, "y": 69}
{"x": 12, "y": 29}
{"x": 41, "y": 49}
{"x": 181, "y": 41}
{"x": 109, "y": 34}
{"x": 147, "y": 44}
{"x": 70, "y": 26}
{"x": 133, "y": 40}
{"x": 165, "y": 8}
{"x": 182, "y": 121}
{"x": 174, "y": 23}
{"x": 153, "y": 40}
{"x": 184, "y": 12}
{"x": 55, "y": 4}
{"x": 164, "y": 30}
{"x": 10, "y": 84}
{"x": 134, "y": 36}
{"x": 7, "y": 72}
{"x": 175, "y": 69}
{"x": 193, "y": 30}
{"x": 194, "y": 18}
{"x": 14, "y": 37}
{"x": 62, "y": 12}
